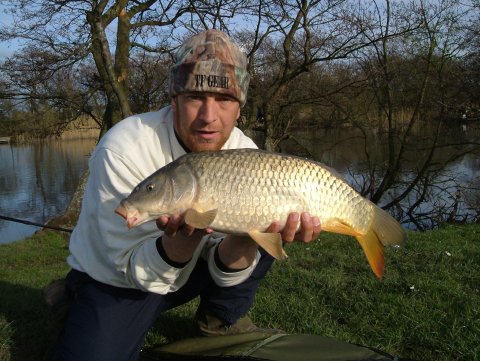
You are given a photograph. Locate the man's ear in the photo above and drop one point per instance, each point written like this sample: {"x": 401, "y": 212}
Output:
{"x": 174, "y": 104}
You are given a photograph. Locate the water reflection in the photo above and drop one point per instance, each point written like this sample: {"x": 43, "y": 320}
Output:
{"x": 37, "y": 182}
{"x": 352, "y": 148}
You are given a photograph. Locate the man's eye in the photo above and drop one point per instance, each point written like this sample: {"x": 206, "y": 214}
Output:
{"x": 225, "y": 103}
{"x": 224, "y": 99}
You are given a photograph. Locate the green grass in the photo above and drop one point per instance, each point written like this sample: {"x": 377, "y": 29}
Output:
{"x": 27, "y": 329}
{"x": 427, "y": 307}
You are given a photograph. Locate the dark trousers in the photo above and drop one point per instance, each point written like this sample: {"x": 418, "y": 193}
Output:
{"x": 110, "y": 323}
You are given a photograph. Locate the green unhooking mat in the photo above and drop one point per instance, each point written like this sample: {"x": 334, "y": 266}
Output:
{"x": 260, "y": 346}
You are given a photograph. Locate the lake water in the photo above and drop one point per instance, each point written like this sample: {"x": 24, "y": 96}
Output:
{"x": 37, "y": 181}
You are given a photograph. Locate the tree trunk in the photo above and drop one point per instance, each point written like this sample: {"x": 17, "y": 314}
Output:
{"x": 113, "y": 75}
{"x": 69, "y": 218}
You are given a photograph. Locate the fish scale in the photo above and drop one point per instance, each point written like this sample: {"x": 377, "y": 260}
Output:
{"x": 297, "y": 185}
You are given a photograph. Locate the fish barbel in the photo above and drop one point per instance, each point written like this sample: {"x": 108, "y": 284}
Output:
{"x": 242, "y": 191}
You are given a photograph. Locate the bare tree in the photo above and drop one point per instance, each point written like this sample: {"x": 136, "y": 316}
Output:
{"x": 407, "y": 90}
{"x": 72, "y": 32}
{"x": 290, "y": 39}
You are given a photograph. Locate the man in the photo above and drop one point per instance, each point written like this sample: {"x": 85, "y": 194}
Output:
{"x": 121, "y": 279}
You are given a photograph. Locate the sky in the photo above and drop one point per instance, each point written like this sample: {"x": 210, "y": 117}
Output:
{"x": 6, "y": 48}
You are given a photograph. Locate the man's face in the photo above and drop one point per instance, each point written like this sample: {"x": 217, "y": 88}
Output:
{"x": 204, "y": 121}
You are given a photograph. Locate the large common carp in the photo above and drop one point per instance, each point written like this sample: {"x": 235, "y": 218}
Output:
{"x": 242, "y": 191}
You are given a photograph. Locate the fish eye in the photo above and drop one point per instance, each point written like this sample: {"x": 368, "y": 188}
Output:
{"x": 150, "y": 186}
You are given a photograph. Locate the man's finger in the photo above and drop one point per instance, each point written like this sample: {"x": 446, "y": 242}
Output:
{"x": 288, "y": 233}
{"x": 317, "y": 227}
{"x": 162, "y": 222}
{"x": 274, "y": 227}
{"x": 306, "y": 228}
{"x": 187, "y": 230}
{"x": 173, "y": 225}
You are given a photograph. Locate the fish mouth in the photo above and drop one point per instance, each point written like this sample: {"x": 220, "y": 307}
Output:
{"x": 131, "y": 216}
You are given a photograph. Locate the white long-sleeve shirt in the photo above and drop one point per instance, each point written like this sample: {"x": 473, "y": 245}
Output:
{"x": 101, "y": 244}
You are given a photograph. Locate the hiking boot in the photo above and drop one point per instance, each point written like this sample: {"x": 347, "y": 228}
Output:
{"x": 56, "y": 297}
{"x": 210, "y": 325}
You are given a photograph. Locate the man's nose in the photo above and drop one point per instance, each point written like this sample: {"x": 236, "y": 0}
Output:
{"x": 209, "y": 110}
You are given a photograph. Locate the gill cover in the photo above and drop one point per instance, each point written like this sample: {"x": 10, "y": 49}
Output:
{"x": 183, "y": 186}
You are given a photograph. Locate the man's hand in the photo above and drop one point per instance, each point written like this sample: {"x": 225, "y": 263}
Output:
{"x": 179, "y": 240}
{"x": 310, "y": 228}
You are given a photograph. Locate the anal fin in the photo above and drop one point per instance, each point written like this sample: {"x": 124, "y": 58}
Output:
{"x": 337, "y": 226}
{"x": 270, "y": 242}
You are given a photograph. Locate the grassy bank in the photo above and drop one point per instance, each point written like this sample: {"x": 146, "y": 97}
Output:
{"x": 426, "y": 308}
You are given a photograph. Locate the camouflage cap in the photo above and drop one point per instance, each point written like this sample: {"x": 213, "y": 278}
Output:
{"x": 210, "y": 62}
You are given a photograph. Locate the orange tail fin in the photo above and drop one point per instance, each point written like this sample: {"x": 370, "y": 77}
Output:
{"x": 373, "y": 249}
{"x": 384, "y": 230}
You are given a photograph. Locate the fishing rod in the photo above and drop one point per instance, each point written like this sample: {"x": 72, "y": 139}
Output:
{"x": 34, "y": 224}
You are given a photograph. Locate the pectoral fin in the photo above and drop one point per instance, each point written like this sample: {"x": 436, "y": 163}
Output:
{"x": 270, "y": 242}
{"x": 199, "y": 219}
